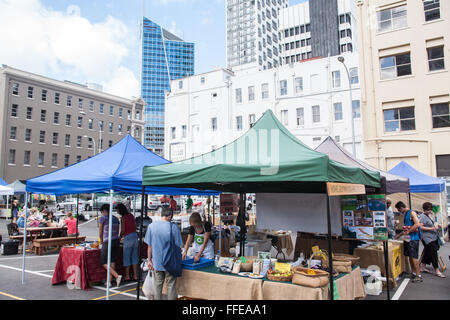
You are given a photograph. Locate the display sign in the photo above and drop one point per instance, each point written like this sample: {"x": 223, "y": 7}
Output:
{"x": 341, "y": 189}
{"x": 364, "y": 217}
{"x": 282, "y": 267}
{"x": 228, "y": 202}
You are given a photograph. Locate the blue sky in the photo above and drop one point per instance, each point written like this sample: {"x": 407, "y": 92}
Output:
{"x": 98, "y": 40}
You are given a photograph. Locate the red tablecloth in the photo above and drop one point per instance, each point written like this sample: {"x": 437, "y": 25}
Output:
{"x": 82, "y": 267}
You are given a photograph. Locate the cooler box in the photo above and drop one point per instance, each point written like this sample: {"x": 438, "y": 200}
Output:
{"x": 9, "y": 247}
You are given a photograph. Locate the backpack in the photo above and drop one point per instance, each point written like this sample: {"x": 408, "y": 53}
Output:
{"x": 172, "y": 258}
{"x": 13, "y": 229}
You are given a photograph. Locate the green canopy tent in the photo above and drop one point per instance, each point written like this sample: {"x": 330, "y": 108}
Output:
{"x": 267, "y": 158}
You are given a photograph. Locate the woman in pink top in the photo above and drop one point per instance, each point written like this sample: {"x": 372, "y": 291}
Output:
{"x": 71, "y": 224}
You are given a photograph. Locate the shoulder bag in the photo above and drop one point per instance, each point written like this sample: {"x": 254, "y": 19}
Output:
{"x": 172, "y": 258}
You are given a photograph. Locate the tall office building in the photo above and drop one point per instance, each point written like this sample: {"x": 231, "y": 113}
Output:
{"x": 317, "y": 28}
{"x": 165, "y": 57}
{"x": 252, "y": 33}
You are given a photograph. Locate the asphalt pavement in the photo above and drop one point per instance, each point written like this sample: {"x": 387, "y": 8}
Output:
{"x": 39, "y": 271}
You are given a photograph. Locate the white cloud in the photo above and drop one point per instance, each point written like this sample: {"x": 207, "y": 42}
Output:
{"x": 66, "y": 45}
{"x": 206, "y": 21}
{"x": 174, "y": 29}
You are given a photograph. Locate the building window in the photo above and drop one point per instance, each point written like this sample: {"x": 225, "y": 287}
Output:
{"x": 66, "y": 160}
{"x": 239, "y": 123}
{"x": 354, "y": 75}
{"x": 55, "y": 138}
{"x": 251, "y": 120}
{"x": 338, "y": 115}
{"x": 111, "y": 110}
{"x": 356, "y": 109}
{"x": 441, "y": 115}
{"x": 265, "y": 91}
{"x": 284, "y": 117}
{"x": 54, "y": 160}
{"x": 128, "y": 129}
{"x": 436, "y": 58}
{"x": 79, "y": 141}
{"x": 336, "y": 78}
{"x": 68, "y": 116}
{"x": 119, "y": 128}
{"x": 337, "y": 138}
{"x": 316, "y": 114}
{"x": 42, "y": 136}
{"x": 238, "y": 95}
{"x": 14, "y": 110}
{"x": 90, "y": 124}
{"x": 41, "y": 159}
{"x": 43, "y": 115}
{"x": 138, "y": 115}
{"x": 401, "y": 119}
{"x": 12, "y": 156}
{"x": 15, "y": 89}
{"x": 44, "y": 95}
{"x": 56, "y": 118}
{"x": 298, "y": 85}
{"x": 251, "y": 93}
{"x": 30, "y": 92}
{"x": 91, "y": 106}
{"x": 120, "y": 112}
{"x": 202, "y": 80}
{"x": 90, "y": 143}
{"x": 316, "y": 141}
{"x": 80, "y": 122}
{"x": 431, "y": 8}
{"x": 183, "y": 131}
{"x": 13, "y": 133}
{"x": 283, "y": 87}
{"x": 102, "y": 110}
{"x": 137, "y": 132}
{"x": 26, "y": 158}
{"x": 110, "y": 143}
{"x": 111, "y": 125}
{"x": 29, "y": 113}
{"x": 67, "y": 141}
{"x": 300, "y": 116}
{"x": 57, "y": 96}
{"x": 78, "y": 159}
{"x": 28, "y": 135}
{"x": 80, "y": 103}
{"x": 395, "y": 66}
{"x": 173, "y": 132}
{"x": 214, "y": 124}
{"x": 180, "y": 84}
{"x": 69, "y": 101}
{"x": 129, "y": 114}
{"x": 392, "y": 19}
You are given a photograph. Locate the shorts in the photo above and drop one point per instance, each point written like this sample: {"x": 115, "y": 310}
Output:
{"x": 115, "y": 245}
{"x": 411, "y": 249}
{"x": 15, "y": 213}
{"x": 130, "y": 249}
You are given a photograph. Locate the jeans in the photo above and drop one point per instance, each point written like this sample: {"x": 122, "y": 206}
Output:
{"x": 130, "y": 249}
{"x": 171, "y": 285}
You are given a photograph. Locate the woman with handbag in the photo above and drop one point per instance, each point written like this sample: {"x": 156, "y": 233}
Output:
{"x": 430, "y": 240}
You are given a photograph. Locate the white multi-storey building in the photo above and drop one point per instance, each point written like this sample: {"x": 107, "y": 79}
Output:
{"x": 311, "y": 98}
{"x": 252, "y": 33}
{"x": 317, "y": 28}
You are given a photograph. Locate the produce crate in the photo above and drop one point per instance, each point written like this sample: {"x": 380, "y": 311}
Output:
{"x": 189, "y": 263}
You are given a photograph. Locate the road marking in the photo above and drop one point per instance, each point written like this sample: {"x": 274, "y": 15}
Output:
{"x": 33, "y": 257}
{"x": 28, "y": 271}
{"x": 400, "y": 290}
{"x": 11, "y": 296}
{"x": 117, "y": 293}
{"x": 45, "y": 270}
{"x": 125, "y": 294}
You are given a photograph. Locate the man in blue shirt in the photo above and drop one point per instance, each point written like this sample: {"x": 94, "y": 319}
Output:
{"x": 158, "y": 239}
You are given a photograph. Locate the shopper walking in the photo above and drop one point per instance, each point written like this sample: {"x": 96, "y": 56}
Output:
{"x": 158, "y": 238}
{"x": 15, "y": 208}
{"x": 130, "y": 241}
{"x": 411, "y": 238}
{"x": 104, "y": 225}
{"x": 429, "y": 240}
{"x": 390, "y": 219}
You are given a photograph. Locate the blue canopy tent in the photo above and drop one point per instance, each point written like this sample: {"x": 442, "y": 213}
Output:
{"x": 3, "y": 182}
{"x": 117, "y": 169}
{"x": 421, "y": 183}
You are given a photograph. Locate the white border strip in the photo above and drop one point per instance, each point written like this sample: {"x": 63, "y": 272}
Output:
{"x": 28, "y": 271}
{"x": 400, "y": 290}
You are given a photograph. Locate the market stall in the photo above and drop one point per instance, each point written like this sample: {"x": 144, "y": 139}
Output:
{"x": 117, "y": 169}
{"x": 267, "y": 159}
{"x": 5, "y": 191}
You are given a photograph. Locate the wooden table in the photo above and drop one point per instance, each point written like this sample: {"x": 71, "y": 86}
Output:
{"x": 39, "y": 230}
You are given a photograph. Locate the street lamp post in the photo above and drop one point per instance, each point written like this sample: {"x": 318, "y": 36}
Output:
{"x": 100, "y": 144}
{"x": 341, "y": 60}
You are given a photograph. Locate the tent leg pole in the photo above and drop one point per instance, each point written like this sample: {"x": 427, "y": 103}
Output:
{"x": 242, "y": 221}
{"x": 109, "y": 243}
{"x": 24, "y": 246}
{"x": 76, "y": 233}
{"x": 214, "y": 212}
{"x": 442, "y": 217}
{"x": 330, "y": 249}
{"x": 409, "y": 198}
{"x": 386, "y": 265}
{"x": 140, "y": 243}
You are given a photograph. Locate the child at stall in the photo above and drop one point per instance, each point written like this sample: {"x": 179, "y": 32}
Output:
{"x": 200, "y": 234}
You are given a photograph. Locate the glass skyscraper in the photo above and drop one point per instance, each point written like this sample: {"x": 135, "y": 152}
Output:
{"x": 165, "y": 57}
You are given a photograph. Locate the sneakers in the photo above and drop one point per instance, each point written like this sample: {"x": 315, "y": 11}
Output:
{"x": 417, "y": 279}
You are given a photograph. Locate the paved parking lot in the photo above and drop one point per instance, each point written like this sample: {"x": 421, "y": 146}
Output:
{"x": 39, "y": 271}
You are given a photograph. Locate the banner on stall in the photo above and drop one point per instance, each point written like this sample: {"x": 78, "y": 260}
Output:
{"x": 339, "y": 189}
{"x": 364, "y": 217}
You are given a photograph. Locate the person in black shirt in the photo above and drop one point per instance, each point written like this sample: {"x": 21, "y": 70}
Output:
{"x": 200, "y": 234}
